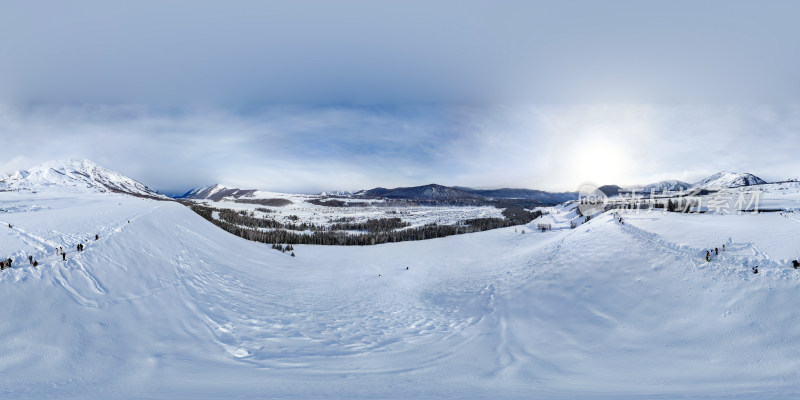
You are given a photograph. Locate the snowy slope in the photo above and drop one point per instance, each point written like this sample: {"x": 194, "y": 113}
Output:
{"x": 169, "y": 306}
{"x": 74, "y": 175}
{"x": 724, "y": 180}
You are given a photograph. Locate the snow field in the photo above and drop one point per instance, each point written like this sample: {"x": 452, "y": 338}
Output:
{"x": 322, "y": 215}
{"x": 168, "y": 305}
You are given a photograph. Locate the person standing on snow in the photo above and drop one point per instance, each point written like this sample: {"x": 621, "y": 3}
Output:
{"x": 708, "y": 256}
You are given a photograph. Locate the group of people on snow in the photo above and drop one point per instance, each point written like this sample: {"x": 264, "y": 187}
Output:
{"x": 59, "y": 252}
{"x": 795, "y": 263}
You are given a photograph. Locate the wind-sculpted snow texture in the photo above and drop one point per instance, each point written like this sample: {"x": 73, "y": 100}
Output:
{"x": 169, "y": 306}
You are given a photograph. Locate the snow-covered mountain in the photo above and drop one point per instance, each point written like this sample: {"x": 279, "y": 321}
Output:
{"x": 666, "y": 186}
{"x": 75, "y": 175}
{"x": 528, "y": 194}
{"x": 216, "y": 193}
{"x": 336, "y": 193}
{"x": 726, "y": 180}
{"x": 432, "y": 192}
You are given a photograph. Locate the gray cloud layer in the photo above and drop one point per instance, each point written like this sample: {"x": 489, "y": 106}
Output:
{"x": 543, "y": 94}
{"x": 245, "y": 53}
{"x": 305, "y": 149}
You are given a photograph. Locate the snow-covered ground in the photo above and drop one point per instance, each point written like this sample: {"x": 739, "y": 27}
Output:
{"x": 169, "y": 306}
{"x": 360, "y": 211}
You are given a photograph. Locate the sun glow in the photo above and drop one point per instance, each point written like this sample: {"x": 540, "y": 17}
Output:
{"x": 601, "y": 162}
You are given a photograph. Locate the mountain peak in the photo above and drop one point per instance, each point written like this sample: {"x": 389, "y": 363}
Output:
{"x": 77, "y": 175}
{"x": 215, "y": 192}
{"x": 726, "y": 179}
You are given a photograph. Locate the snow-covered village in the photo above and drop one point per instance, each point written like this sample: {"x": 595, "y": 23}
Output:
{"x": 391, "y": 200}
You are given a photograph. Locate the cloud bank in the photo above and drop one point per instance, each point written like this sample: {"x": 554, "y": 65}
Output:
{"x": 311, "y": 149}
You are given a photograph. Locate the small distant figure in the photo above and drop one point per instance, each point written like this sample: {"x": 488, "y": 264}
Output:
{"x": 64, "y": 256}
{"x": 716, "y": 251}
{"x": 292, "y": 254}
{"x": 35, "y": 263}
{"x": 723, "y": 247}
{"x": 406, "y": 268}
{"x": 30, "y": 259}
{"x": 96, "y": 237}
{"x": 795, "y": 264}
{"x": 10, "y": 226}
{"x": 755, "y": 269}
{"x": 78, "y": 247}
{"x": 708, "y": 256}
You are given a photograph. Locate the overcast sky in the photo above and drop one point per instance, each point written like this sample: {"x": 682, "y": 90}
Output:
{"x": 306, "y": 96}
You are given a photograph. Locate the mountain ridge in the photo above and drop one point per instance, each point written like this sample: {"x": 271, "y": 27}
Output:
{"x": 77, "y": 175}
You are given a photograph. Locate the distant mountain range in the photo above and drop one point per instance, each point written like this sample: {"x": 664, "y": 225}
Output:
{"x": 85, "y": 175}
{"x": 666, "y": 186}
{"x": 439, "y": 194}
{"x": 527, "y": 194}
{"x": 718, "y": 181}
{"x": 458, "y": 194}
{"x": 426, "y": 194}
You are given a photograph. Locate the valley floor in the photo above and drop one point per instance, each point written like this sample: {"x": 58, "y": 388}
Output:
{"x": 166, "y": 305}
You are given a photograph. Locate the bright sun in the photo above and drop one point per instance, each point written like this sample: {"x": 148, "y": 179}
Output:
{"x": 600, "y": 162}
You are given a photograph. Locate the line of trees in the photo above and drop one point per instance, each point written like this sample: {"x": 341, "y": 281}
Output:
{"x": 371, "y": 225}
{"x": 377, "y": 230}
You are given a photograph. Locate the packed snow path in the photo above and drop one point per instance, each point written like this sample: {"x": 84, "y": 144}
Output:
{"x": 170, "y": 306}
